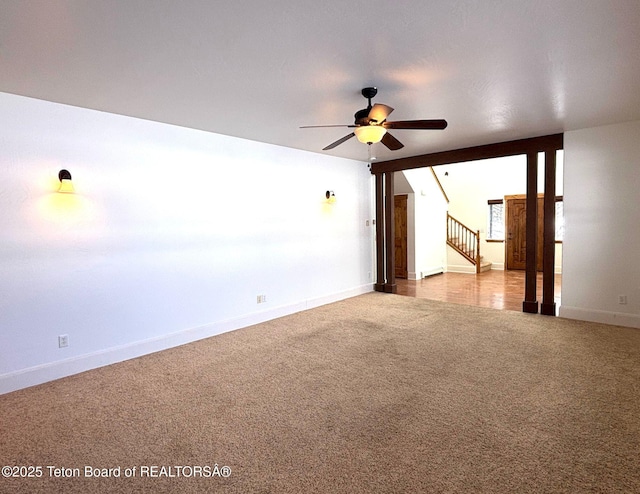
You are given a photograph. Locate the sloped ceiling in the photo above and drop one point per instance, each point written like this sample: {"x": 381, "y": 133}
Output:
{"x": 495, "y": 70}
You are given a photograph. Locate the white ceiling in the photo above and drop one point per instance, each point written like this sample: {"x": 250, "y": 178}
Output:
{"x": 496, "y": 70}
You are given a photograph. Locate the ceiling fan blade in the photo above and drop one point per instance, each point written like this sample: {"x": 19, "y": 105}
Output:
{"x": 339, "y": 141}
{"x": 379, "y": 112}
{"x": 321, "y": 126}
{"x": 416, "y": 124}
{"x": 391, "y": 142}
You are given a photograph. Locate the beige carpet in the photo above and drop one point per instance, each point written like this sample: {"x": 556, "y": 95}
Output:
{"x": 379, "y": 393}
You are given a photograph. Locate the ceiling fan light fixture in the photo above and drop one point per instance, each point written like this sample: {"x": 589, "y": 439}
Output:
{"x": 370, "y": 134}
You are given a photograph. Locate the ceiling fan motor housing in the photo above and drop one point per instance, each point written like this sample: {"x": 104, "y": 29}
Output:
{"x": 369, "y": 92}
{"x": 362, "y": 116}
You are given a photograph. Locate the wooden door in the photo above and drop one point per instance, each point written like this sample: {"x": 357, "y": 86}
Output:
{"x": 516, "y": 232}
{"x": 400, "y": 206}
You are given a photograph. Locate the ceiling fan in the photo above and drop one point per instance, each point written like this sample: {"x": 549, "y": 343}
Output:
{"x": 370, "y": 125}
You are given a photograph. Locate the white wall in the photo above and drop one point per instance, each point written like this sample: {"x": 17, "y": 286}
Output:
{"x": 602, "y": 224}
{"x": 429, "y": 208}
{"x": 471, "y": 184}
{"x": 170, "y": 237}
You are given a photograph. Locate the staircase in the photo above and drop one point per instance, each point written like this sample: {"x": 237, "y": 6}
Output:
{"x": 466, "y": 242}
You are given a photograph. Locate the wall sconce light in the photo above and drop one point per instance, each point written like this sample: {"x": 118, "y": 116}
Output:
{"x": 331, "y": 197}
{"x": 66, "y": 185}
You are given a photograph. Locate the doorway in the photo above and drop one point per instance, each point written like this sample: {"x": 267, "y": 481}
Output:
{"x": 400, "y": 244}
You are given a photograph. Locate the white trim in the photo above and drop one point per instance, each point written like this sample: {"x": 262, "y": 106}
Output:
{"x": 424, "y": 274}
{"x": 432, "y": 271}
{"x": 458, "y": 268}
{"x": 600, "y": 316}
{"x": 40, "y": 374}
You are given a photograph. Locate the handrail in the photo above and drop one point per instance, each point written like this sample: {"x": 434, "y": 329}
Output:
{"x": 446, "y": 197}
{"x": 464, "y": 240}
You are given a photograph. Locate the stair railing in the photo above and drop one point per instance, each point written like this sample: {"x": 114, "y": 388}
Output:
{"x": 464, "y": 240}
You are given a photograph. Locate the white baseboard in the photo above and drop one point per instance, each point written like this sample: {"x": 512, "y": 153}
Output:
{"x": 40, "y": 374}
{"x": 432, "y": 271}
{"x": 495, "y": 266}
{"x": 427, "y": 272}
{"x": 499, "y": 266}
{"x": 601, "y": 316}
{"x": 459, "y": 268}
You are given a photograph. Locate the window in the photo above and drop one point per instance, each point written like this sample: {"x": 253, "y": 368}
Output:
{"x": 495, "y": 223}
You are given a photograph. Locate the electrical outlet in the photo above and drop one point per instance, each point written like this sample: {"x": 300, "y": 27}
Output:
{"x": 262, "y": 299}
{"x": 622, "y": 299}
{"x": 63, "y": 341}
